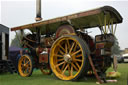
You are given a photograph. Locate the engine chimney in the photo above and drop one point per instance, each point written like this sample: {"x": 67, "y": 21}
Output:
{"x": 38, "y": 10}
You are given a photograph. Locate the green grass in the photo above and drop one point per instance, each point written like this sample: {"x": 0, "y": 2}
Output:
{"x": 38, "y": 78}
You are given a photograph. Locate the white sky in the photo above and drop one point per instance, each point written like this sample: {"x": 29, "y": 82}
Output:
{"x": 0, "y": 11}
{"x": 20, "y": 12}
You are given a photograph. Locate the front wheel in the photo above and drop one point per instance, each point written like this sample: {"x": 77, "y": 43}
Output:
{"x": 25, "y": 66}
{"x": 68, "y": 57}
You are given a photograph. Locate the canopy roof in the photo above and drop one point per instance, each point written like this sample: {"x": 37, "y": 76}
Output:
{"x": 87, "y": 19}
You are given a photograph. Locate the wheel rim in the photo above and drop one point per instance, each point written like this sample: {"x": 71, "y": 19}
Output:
{"x": 66, "y": 58}
{"x": 25, "y": 66}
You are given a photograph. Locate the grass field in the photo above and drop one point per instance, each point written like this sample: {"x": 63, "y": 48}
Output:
{"x": 38, "y": 78}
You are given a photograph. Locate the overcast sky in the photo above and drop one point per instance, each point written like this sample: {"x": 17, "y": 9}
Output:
{"x": 19, "y": 12}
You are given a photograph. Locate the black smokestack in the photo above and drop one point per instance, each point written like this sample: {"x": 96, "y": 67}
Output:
{"x": 38, "y": 10}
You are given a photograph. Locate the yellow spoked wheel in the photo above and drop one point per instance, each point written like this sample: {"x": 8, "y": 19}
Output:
{"x": 46, "y": 71}
{"x": 25, "y": 66}
{"x": 68, "y": 57}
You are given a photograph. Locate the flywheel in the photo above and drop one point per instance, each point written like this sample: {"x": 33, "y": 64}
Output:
{"x": 46, "y": 71}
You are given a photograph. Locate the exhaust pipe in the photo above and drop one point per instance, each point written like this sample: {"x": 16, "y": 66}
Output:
{"x": 38, "y": 10}
{"x": 38, "y": 18}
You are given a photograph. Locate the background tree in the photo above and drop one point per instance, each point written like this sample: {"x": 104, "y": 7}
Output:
{"x": 116, "y": 47}
{"x": 16, "y": 41}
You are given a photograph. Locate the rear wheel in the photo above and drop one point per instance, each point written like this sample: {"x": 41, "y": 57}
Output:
{"x": 68, "y": 57}
{"x": 25, "y": 66}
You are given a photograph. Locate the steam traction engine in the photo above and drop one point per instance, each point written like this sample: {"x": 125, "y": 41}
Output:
{"x": 62, "y": 46}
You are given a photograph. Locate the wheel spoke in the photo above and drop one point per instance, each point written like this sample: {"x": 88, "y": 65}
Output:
{"x": 61, "y": 47}
{"x": 69, "y": 70}
{"x": 29, "y": 69}
{"x": 74, "y": 67}
{"x": 28, "y": 65}
{"x": 66, "y": 49}
{"x": 61, "y": 52}
{"x": 71, "y": 48}
{"x": 63, "y": 66}
{"x": 79, "y": 56}
{"x": 78, "y": 60}
{"x": 65, "y": 69}
{"x": 60, "y": 59}
{"x": 75, "y": 48}
{"x": 27, "y": 62}
{"x": 25, "y": 70}
{"x": 58, "y": 55}
{"x": 68, "y": 43}
{"x": 76, "y": 52}
{"x": 24, "y": 60}
{"x": 77, "y": 64}
{"x": 60, "y": 64}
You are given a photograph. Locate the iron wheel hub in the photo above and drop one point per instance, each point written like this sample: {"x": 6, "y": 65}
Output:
{"x": 67, "y": 58}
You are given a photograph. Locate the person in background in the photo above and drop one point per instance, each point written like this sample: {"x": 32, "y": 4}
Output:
{"x": 24, "y": 50}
